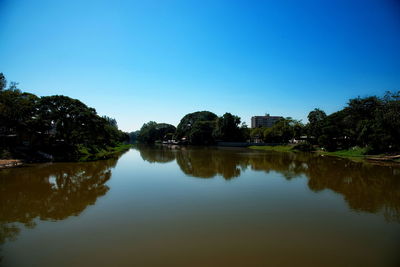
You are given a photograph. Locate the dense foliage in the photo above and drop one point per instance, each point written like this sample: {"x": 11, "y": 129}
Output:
{"x": 205, "y": 128}
{"x": 63, "y": 127}
{"x": 197, "y": 127}
{"x": 133, "y": 137}
{"x": 227, "y": 128}
{"x": 153, "y": 131}
{"x": 51, "y": 126}
{"x": 370, "y": 122}
{"x": 283, "y": 131}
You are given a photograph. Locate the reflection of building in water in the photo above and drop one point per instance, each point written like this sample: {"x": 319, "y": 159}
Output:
{"x": 264, "y": 121}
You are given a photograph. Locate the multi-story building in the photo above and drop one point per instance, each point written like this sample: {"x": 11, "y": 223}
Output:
{"x": 264, "y": 121}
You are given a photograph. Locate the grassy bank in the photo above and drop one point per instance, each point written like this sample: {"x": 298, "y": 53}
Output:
{"x": 356, "y": 153}
{"x": 349, "y": 153}
{"x": 86, "y": 154}
{"x": 57, "y": 154}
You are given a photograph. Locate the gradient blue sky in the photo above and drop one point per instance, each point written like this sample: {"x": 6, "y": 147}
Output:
{"x": 159, "y": 60}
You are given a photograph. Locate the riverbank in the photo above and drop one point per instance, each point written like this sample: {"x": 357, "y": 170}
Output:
{"x": 86, "y": 155}
{"x": 10, "y": 163}
{"x": 356, "y": 154}
{"x": 284, "y": 148}
{"x": 83, "y": 154}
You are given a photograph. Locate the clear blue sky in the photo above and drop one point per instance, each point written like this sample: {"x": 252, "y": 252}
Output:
{"x": 159, "y": 60}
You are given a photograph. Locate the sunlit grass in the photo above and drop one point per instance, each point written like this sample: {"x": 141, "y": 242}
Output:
{"x": 103, "y": 153}
{"x": 355, "y": 152}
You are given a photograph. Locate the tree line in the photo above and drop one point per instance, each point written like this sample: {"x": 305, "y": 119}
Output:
{"x": 64, "y": 128}
{"x": 370, "y": 122}
{"x": 56, "y": 127}
{"x": 206, "y": 128}
{"x": 197, "y": 128}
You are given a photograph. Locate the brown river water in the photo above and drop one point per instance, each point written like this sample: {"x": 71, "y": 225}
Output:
{"x": 193, "y": 206}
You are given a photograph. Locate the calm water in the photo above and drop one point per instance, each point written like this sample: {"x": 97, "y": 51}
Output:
{"x": 201, "y": 207}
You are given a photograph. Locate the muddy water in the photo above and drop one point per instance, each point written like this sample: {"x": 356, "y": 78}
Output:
{"x": 157, "y": 206}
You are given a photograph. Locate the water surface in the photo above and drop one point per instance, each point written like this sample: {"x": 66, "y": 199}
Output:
{"x": 191, "y": 206}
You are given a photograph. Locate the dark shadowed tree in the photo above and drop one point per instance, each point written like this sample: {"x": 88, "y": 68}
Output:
{"x": 371, "y": 122}
{"x": 283, "y": 131}
{"x": 133, "y": 136}
{"x": 227, "y": 128}
{"x": 58, "y": 125}
{"x": 202, "y": 133}
{"x": 111, "y": 121}
{"x": 315, "y": 124}
{"x": 3, "y": 81}
{"x": 187, "y": 123}
{"x": 153, "y": 131}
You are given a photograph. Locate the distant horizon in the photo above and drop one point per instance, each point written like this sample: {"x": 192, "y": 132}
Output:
{"x": 139, "y": 61}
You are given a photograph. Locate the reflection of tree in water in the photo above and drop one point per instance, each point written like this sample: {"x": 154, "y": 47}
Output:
{"x": 49, "y": 192}
{"x": 207, "y": 163}
{"x": 365, "y": 187}
{"x": 160, "y": 154}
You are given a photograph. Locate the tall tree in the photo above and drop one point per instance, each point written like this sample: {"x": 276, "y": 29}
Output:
{"x": 202, "y": 133}
{"x": 316, "y": 119}
{"x": 3, "y": 82}
{"x": 227, "y": 128}
{"x": 153, "y": 131}
{"x": 111, "y": 121}
{"x": 188, "y": 121}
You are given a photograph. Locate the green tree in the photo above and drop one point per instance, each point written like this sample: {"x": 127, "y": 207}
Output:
{"x": 58, "y": 125}
{"x": 388, "y": 119}
{"x": 147, "y": 133}
{"x": 165, "y": 131}
{"x": 3, "y": 82}
{"x": 111, "y": 121}
{"x": 153, "y": 131}
{"x": 13, "y": 86}
{"x": 17, "y": 113}
{"x": 371, "y": 122}
{"x": 315, "y": 123}
{"x": 257, "y": 133}
{"x": 283, "y": 131}
{"x": 69, "y": 119}
{"x": 245, "y": 131}
{"x": 202, "y": 133}
{"x": 187, "y": 123}
{"x": 71, "y": 125}
{"x": 133, "y": 137}
{"x": 227, "y": 128}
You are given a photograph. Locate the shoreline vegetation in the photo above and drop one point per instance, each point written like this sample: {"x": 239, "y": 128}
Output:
{"x": 83, "y": 156}
{"x": 60, "y": 128}
{"x": 366, "y": 127}
{"x": 53, "y": 128}
{"x": 355, "y": 153}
